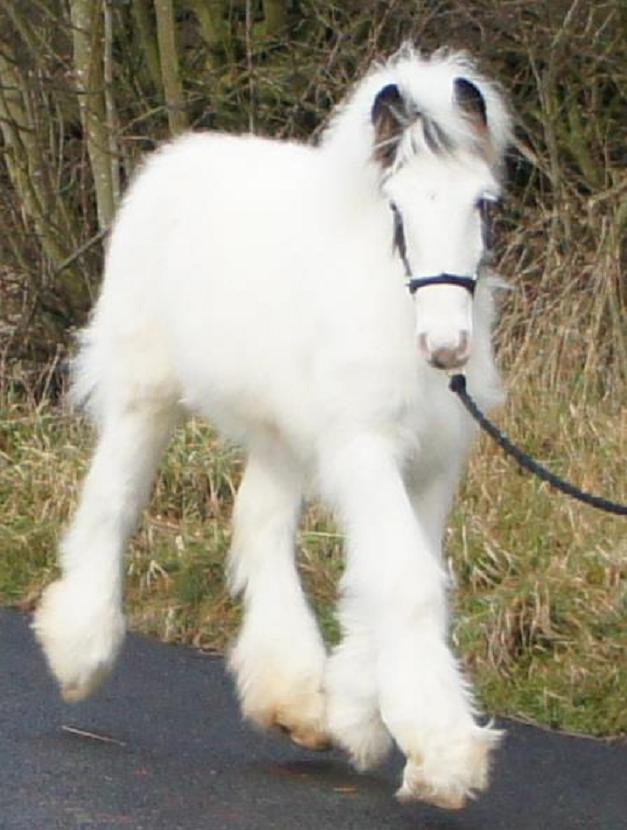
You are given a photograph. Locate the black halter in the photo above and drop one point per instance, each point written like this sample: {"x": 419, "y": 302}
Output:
{"x": 414, "y": 283}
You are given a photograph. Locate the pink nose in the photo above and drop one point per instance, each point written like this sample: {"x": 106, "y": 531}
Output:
{"x": 447, "y": 357}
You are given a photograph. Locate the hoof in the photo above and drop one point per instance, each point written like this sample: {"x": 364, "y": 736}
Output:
{"x": 454, "y": 775}
{"x": 81, "y": 637}
{"x": 313, "y": 739}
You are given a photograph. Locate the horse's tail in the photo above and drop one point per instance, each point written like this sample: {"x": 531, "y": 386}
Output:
{"x": 122, "y": 361}
{"x": 88, "y": 370}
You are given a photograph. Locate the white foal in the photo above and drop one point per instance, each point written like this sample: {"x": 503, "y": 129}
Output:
{"x": 264, "y": 284}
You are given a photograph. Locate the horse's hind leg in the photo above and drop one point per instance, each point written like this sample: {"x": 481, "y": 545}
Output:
{"x": 352, "y": 690}
{"x": 79, "y": 621}
{"x": 279, "y": 658}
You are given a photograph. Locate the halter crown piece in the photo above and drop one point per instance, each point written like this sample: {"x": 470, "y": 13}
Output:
{"x": 414, "y": 283}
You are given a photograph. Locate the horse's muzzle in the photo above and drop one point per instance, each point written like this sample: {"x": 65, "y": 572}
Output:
{"x": 446, "y": 356}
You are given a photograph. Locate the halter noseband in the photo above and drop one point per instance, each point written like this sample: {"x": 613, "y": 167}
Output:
{"x": 414, "y": 283}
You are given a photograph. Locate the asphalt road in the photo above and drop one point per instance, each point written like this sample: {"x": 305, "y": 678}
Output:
{"x": 161, "y": 747}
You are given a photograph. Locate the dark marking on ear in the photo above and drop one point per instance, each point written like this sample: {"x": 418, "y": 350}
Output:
{"x": 390, "y": 117}
{"x": 472, "y": 102}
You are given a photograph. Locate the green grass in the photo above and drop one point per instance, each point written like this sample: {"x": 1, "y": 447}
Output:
{"x": 541, "y": 582}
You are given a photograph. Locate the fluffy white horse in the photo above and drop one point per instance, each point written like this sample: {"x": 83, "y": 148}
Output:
{"x": 263, "y": 284}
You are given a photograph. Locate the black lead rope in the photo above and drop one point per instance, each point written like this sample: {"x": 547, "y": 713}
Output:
{"x": 458, "y": 386}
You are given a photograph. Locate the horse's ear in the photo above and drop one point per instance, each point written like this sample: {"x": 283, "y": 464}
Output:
{"x": 390, "y": 116}
{"x": 471, "y": 101}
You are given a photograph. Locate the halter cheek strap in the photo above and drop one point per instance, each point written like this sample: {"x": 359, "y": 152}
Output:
{"x": 414, "y": 283}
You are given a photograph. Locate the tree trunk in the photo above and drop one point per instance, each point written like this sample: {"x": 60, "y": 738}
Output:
{"x": 275, "y": 13}
{"x": 170, "y": 75}
{"x": 216, "y": 31}
{"x": 147, "y": 38}
{"x": 89, "y": 46}
{"x": 23, "y": 158}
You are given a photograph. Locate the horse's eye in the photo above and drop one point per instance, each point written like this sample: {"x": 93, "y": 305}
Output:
{"x": 486, "y": 208}
{"x": 399, "y": 233}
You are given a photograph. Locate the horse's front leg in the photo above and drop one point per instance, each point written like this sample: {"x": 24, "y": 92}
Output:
{"x": 79, "y": 622}
{"x": 394, "y": 585}
{"x": 279, "y": 658}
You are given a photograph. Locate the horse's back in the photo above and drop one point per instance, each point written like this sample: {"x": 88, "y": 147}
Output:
{"x": 200, "y": 274}
{"x": 207, "y": 194}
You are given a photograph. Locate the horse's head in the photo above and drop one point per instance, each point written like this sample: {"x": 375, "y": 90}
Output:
{"x": 439, "y": 160}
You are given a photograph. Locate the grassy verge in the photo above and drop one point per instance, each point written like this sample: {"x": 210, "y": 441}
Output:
{"x": 541, "y": 582}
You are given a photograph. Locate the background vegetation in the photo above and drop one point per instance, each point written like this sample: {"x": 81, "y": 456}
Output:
{"x": 88, "y": 86}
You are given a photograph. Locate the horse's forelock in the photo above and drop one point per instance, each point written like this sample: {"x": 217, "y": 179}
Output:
{"x": 445, "y": 123}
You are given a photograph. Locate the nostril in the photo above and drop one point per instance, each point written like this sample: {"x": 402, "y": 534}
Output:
{"x": 464, "y": 344}
{"x": 446, "y": 357}
{"x": 423, "y": 345}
